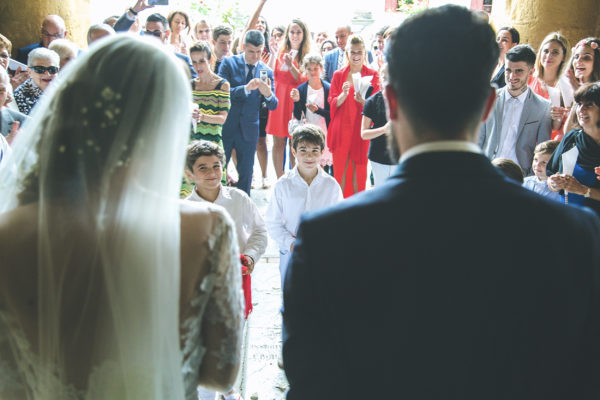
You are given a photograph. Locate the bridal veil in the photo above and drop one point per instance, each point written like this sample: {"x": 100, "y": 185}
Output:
{"x": 99, "y": 166}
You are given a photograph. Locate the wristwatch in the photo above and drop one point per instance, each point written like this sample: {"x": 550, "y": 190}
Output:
{"x": 588, "y": 193}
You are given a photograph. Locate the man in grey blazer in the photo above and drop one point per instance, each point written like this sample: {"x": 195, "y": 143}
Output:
{"x": 520, "y": 118}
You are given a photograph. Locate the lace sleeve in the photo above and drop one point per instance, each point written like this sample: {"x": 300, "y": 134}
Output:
{"x": 224, "y": 310}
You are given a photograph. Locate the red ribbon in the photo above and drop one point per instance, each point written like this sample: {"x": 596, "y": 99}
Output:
{"x": 246, "y": 286}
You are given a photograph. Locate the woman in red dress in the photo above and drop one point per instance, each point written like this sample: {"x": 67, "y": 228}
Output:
{"x": 287, "y": 76}
{"x": 346, "y": 105}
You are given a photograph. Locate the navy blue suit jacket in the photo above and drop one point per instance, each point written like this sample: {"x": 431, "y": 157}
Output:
{"x": 331, "y": 62}
{"x": 244, "y": 112}
{"x": 23, "y": 52}
{"x": 300, "y": 105}
{"x": 444, "y": 283}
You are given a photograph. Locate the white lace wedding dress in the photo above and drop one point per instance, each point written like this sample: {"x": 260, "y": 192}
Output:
{"x": 211, "y": 280}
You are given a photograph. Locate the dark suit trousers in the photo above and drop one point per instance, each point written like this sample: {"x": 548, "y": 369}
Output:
{"x": 245, "y": 152}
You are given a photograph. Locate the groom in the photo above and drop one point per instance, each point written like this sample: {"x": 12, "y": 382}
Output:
{"x": 438, "y": 284}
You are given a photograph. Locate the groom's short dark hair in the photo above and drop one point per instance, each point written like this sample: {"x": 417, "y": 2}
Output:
{"x": 439, "y": 63}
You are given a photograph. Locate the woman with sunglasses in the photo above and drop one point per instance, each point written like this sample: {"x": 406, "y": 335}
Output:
{"x": 43, "y": 67}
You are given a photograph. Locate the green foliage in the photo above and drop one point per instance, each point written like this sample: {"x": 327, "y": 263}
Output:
{"x": 220, "y": 11}
{"x": 411, "y": 6}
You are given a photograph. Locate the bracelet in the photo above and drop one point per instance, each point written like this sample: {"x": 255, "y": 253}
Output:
{"x": 588, "y": 193}
{"x": 131, "y": 11}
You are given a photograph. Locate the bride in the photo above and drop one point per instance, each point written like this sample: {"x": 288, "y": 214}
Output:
{"x": 110, "y": 288}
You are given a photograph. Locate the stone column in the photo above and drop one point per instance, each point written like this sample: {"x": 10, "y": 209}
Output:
{"x": 534, "y": 19}
{"x": 21, "y": 20}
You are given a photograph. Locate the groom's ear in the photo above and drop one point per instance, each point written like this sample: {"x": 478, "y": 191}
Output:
{"x": 391, "y": 101}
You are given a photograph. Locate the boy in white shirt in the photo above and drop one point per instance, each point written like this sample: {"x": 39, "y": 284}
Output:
{"x": 305, "y": 188}
{"x": 204, "y": 167}
{"x": 538, "y": 182}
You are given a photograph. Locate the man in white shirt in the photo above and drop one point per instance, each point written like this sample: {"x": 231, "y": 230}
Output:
{"x": 427, "y": 287}
{"x": 521, "y": 119}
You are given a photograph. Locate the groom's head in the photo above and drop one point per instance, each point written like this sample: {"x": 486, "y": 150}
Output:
{"x": 439, "y": 67}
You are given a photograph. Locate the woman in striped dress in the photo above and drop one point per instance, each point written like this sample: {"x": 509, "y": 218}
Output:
{"x": 211, "y": 96}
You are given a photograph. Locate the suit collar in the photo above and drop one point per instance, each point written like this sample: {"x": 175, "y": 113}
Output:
{"x": 445, "y": 164}
{"x": 441, "y": 146}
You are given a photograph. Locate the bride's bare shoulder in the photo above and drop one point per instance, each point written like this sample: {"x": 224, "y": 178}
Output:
{"x": 200, "y": 219}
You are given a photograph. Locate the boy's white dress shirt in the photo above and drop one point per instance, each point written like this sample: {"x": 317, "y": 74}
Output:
{"x": 249, "y": 225}
{"x": 291, "y": 197}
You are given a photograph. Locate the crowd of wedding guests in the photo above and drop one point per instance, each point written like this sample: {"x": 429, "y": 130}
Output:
{"x": 320, "y": 95}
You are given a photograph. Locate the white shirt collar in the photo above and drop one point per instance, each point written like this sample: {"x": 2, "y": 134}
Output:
{"x": 520, "y": 98}
{"x": 442, "y": 145}
{"x": 296, "y": 175}
{"x": 195, "y": 196}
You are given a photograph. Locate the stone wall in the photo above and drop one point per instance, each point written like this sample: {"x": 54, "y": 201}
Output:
{"x": 21, "y": 20}
{"x": 534, "y": 19}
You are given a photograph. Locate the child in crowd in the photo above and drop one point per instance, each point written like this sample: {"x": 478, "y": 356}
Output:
{"x": 538, "y": 182}
{"x": 204, "y": 167}
{"x": 509, "y": 168}
{"x": 305, "y": 188}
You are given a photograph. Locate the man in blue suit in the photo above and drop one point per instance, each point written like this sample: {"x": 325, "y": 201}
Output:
{"x": 438, "y": 284}
{"x": 53, "y": 27}
{"x": 240, "y": 131}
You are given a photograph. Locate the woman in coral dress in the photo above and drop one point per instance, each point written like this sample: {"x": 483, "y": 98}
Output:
{"x": 343, "y": 138}
{"x": 287, "y": 76}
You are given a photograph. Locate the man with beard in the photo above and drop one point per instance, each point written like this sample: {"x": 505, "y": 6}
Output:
{"x": 521, "y": 119}
{"x": 426, "y": 287}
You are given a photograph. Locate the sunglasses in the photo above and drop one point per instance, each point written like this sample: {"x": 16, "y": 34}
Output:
{"x": 40, "y": 70}
{"x": 52, "y": 35}
{"x": 156, "y": 33}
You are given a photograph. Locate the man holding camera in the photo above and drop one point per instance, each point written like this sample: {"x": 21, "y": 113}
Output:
{"x": 156, "y": 25}
{"x": 249, "y": 86}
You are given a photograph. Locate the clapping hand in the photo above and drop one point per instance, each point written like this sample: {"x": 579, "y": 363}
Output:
{"x": 295, "y": 95}
{"x": 566, "y": 182}
{"x": 287, "y": 59}
{"x": 572, "y": 79}
{"x": 265, "y": 57}
{"x": 358, "y": 98}
{"x": 597, "y": 171}
{"x": 346, "y": 88}
{"x": 19, "y": 77}
{"x": 273, "y": 45}
{"x": 558, "y": 113}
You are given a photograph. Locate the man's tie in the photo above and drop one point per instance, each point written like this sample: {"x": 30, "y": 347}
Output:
{"x": 340, "y": 59}
{"x": 250, "y": 73}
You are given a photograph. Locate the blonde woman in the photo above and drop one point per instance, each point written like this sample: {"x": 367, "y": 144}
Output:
{"x": 549, "y": 81}
{"x": 346, "y": 105}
